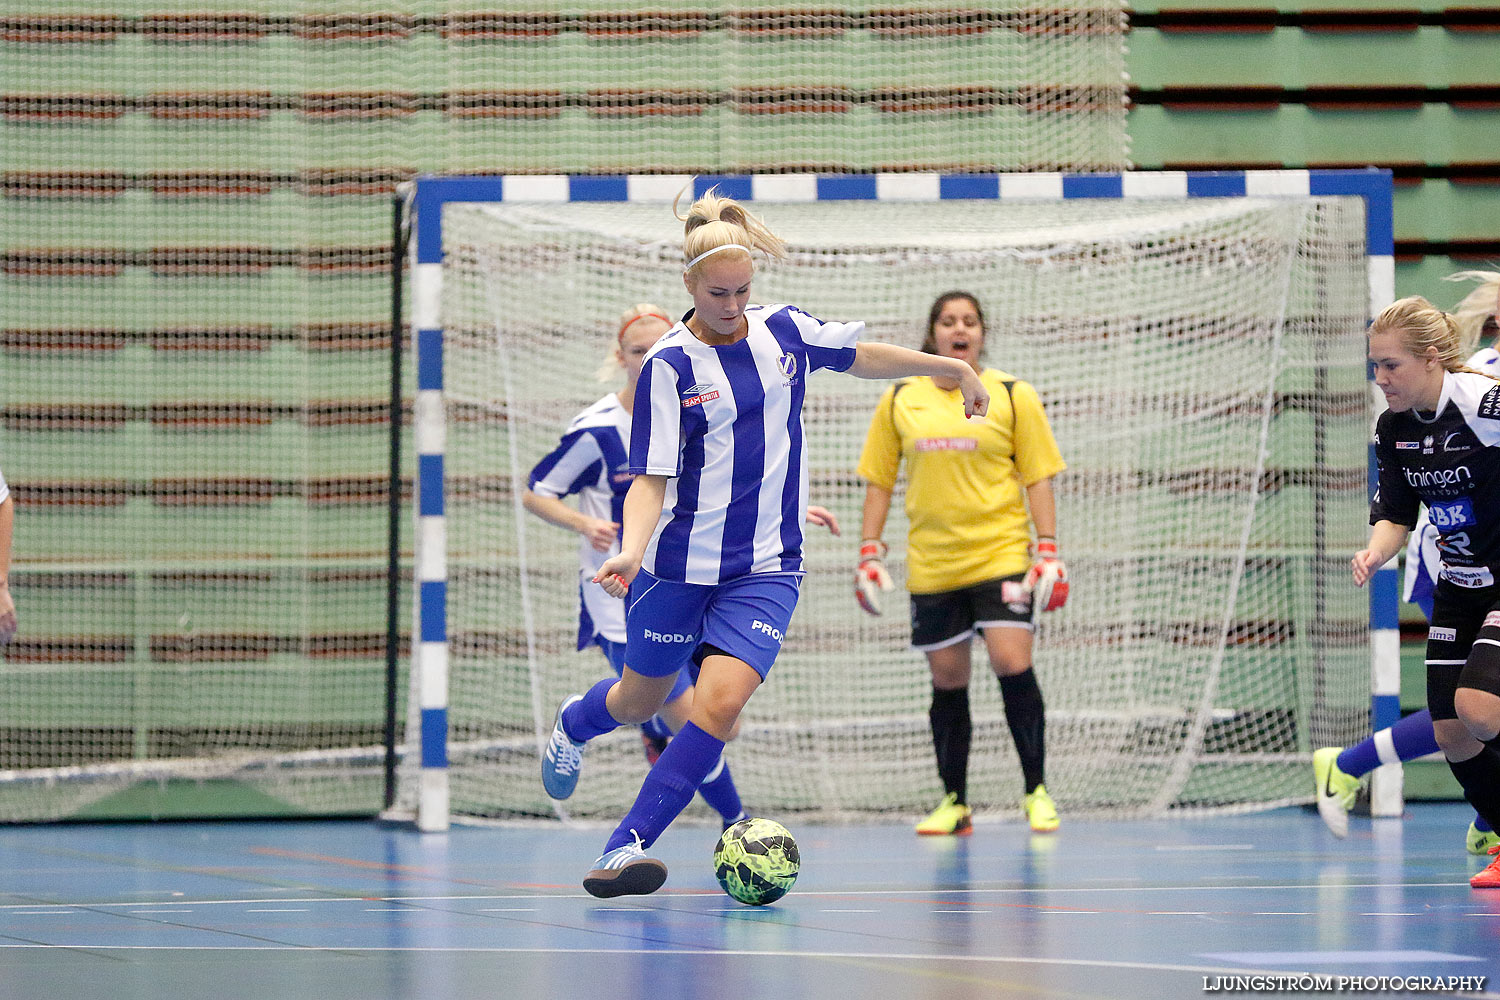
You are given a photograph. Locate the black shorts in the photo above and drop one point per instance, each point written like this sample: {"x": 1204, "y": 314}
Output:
{"x": 1463, "y": 644}
{"x": 951, "y": 616}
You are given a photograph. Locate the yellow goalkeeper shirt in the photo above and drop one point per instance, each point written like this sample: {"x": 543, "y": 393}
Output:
{"x": 966, "y": 479}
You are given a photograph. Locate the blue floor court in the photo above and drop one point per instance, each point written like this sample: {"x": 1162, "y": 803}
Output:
{"x": 329, "y": 910}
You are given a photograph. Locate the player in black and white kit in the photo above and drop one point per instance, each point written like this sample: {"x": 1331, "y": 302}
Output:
{"x": 1438, "y": 445}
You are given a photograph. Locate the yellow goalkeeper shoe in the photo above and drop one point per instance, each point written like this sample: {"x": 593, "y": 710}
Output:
{"x": 949, "y": 819}
{"x": 1335, "y": 790}
{"x": 1480, "y": 841}
{"x": 1040, "y": 812}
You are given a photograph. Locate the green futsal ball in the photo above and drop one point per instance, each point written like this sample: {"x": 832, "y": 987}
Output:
{"x": 757, "y": 861}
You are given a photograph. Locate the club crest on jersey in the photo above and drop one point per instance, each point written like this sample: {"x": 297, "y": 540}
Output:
{"x": 697, "y": 395}
{"x": 787, "y": 365}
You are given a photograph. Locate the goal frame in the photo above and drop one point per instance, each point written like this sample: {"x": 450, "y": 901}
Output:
{"x": 426, "y": 196}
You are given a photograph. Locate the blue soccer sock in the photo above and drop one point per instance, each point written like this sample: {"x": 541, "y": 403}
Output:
{"x": 1411, "y": 737}
{"x": 583, "y": 720}
{"x": 718, "y": 791}
{"x": 669, "y": 786}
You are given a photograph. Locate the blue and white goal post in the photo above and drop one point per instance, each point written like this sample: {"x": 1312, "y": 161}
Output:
{"x": 428, "y": 196}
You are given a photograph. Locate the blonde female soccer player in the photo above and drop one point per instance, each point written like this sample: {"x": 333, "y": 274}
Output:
{"x": 590, "y": 461}
{"x": 1337, "y": 770}
{"x": 710, "y": 561}
{"x": 974, "y": 492}
{"x": 1438, "y": 446}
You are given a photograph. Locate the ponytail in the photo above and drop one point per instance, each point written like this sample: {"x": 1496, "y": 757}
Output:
{"x": 716, "y": 225}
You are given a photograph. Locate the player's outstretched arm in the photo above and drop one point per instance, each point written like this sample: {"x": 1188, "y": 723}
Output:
{"x": 892, "y": 361}
{"x": 642, "y": 511}
{"x": 1386, "y": 539}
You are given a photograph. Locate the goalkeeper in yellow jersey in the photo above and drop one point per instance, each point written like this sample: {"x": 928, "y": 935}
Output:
{"x": 975, "y": 490}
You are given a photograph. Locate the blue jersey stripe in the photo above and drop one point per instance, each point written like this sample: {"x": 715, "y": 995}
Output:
{"x": 590, "y": 476}
{"x": 676, "y": 537}
{"x": 612, "y": 448}
{"x": 737, "y": 554}
{"x": 640, "y": 420}
{"x": 784, "y": 329}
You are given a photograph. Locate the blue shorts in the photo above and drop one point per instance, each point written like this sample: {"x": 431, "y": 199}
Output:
{"x": 614, "y": 652}
{"x": 667, "y": 621}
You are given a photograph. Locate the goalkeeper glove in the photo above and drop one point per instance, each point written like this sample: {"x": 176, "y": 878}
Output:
{"x": 870, "y": 579}
{"x": 1047, "y": 580}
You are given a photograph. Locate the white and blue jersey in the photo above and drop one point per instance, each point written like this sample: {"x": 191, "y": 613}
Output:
{"x": 1423, "y": 561}
{"x": 590, "y": 461}
{"x": 4, "y": 490}
{"x": 724, "y": 424}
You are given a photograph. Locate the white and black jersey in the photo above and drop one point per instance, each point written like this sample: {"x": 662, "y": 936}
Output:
{"x": 1448, "y": 461}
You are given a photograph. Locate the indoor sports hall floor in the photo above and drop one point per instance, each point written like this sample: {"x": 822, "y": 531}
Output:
{"x": 336, "y": 909}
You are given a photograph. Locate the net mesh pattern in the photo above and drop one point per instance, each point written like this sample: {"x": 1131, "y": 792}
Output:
{"x": 194, "y": 303}
{"x": 1201, "y": 363}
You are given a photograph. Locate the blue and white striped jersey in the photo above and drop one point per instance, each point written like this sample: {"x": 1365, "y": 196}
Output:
{"x": 725, "y": 423}
{"x": 4, "y": 490}
{"x": 590, "y": 461}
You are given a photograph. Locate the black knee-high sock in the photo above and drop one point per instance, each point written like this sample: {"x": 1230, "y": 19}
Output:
{"x": 952, "y": 730}
{"x": 1026, "y": 715}
{"x": 1480, "y": 778}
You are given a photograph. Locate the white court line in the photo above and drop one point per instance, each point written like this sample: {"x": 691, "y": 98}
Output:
{"x": 289, "y": 910}
{"x": 1205, "y": 847}
{"x": 509, "y": 909}
{"x": 718, "y": 953}
{"x": 40, "y": 913}
{"x": 841, "y": 893}
{"x": 952, "y": 910}
{"x": 848, "y": 911}
{"x": 1177, "y": 913}
{"x": 159, "y": 911}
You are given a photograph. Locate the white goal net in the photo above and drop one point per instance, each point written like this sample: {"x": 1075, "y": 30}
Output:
{"x": 1201, "y": 362}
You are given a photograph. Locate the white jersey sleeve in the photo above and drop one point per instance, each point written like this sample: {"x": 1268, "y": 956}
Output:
{"x": 829, "y": 344}
{"x": 4, "y": 489}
